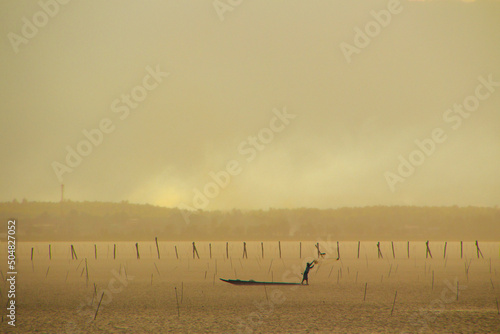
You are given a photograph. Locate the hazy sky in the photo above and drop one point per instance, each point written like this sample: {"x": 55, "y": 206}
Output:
{"x": 232, "y": 69}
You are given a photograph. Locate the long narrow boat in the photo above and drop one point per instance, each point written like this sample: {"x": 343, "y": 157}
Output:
{"x": 252, "y": 282}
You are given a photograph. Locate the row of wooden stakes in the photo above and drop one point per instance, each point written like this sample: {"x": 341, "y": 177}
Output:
{"x": 428, "y": 252}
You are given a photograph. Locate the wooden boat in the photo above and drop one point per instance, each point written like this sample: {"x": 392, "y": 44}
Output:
{"x": 252, "y": 282}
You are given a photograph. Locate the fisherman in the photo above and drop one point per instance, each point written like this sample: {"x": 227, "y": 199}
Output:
{"x": 309, "y": 266}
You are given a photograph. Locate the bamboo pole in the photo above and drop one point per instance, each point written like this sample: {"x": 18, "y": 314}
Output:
{"x": 95, "y": 251}
{"x": 279, "y": 247}
{"x": 157, "y": 248}
{"x": 444, "y": 255}
{"x": 394, "y": 303}
{"x": 262, "y": 248}
{"x": 227, "y": 250}
{"x": 359, "y": 244}
{"x": 408, "y": 248}
{"x": 195, "y": 251}
{"x": 99, "y": 305}
{"x": 393, "y": 253}
{"x": 461, "y": 249}
{"x": 478, "y": 250}
{"x": 379, "y": 251}
{"x": 73, "y": 251}
{"x": 245, "y": 250}
{"x": 86, "y": 273}
{"x": 137, "y": 250}
{"x": 210, "y": 249}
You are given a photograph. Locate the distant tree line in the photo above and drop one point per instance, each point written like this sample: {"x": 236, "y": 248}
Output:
{"x": 98, "y": 221}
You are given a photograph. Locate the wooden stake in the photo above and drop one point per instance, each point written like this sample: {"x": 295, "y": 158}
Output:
{"x": 227, "y": 250}
{"x": 157, "y": 248}
{"x": 359, "y": 244}
{"x": 74, "y": 252}
{"x": 195, "y": 251}
{"x": 245, "y": 250}
{"x": 279, "y": 247}
{"x": 114, "y": 251}
{"x": 86, "y": 272}
{"x": 300, "y": 250}
{"x": 461, "y": 249}
{"x": 393, "y": 253}
{"x": 95, "y": 251}
{"x": 50, "y": 253}
{"x": 366, "y": 285}
{"x": 408, "y": 248}
{"x": 32, "y": 254}
{"x": 379, "y": 251}
{"x": 444, "y": 255}
{"x": 99, "y": 305}
{"x": 394, "y": 303}
{"x": 262, "y": 248}
{"x": 137, "y": 250}
{"x": 210, "y": 249}
{"x": 176, "y": 254}
{"x": 478, "y": 250}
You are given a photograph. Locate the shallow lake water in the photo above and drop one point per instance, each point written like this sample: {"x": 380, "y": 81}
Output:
{"x": 176, "y": 293}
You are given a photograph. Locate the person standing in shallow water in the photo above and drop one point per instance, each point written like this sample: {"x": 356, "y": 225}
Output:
{"x": 309, "y": 266}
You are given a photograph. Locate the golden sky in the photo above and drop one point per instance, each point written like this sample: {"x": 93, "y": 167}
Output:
{"x": 251, "y": 104}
